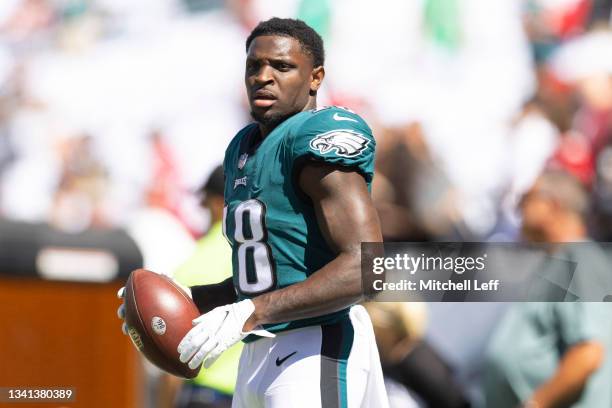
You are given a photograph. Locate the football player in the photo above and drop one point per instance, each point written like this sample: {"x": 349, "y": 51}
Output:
{"x": 297, "y": 208}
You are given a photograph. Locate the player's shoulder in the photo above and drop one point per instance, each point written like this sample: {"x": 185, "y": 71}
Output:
{"x": 333, "y": 122}
{"x": 242, "y": 133}
{"x": 334, "y": 117}
{"x": 332, "y": 133}
{"x": 233, "y": 148}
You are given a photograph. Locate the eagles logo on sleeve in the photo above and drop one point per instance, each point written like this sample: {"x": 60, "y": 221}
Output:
{"x": 347, "y": 143}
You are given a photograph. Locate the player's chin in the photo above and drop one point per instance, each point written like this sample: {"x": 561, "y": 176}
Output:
{"x": 261, "y": 111}
{"x": 267, "y": 116}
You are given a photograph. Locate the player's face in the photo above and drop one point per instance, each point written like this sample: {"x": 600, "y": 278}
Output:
{"x": 279, "y": 79}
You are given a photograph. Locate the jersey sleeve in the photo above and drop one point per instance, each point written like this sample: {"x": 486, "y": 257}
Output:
{"x": 335, "y": 136}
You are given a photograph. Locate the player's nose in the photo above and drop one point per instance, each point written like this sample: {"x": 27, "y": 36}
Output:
{"x": 263, "y": 75}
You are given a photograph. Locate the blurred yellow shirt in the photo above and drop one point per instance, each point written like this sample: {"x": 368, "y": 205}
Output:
{"x": 212, "y": 263}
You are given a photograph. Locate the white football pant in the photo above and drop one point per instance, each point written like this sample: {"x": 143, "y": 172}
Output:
{"x": 327, "y": 366}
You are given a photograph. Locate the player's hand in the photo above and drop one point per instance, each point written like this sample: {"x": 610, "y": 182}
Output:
{"x": 121, "y": 309}
{"x": 216, "y": 331}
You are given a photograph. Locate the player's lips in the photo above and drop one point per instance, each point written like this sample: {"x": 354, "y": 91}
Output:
{"x": 263, "y": 98}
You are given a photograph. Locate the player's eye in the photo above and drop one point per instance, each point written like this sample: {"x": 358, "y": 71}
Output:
{"x": 252, "y": 66}
{"x": 282, "y": 66}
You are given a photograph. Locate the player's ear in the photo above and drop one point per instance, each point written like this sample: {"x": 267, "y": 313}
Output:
{"x": 316, "y": 78}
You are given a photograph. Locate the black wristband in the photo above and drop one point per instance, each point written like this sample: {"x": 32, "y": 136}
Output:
{"x": 207, "y": 297}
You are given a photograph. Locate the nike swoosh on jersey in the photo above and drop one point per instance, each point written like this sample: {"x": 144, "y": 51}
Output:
{"x": 280, "y": 361}
{"x": 338, "y": 117}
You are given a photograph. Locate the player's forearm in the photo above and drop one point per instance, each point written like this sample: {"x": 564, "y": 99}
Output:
{"x": 575, "y": 368}
{"x": 207, "y": 297}
{"x": 334, "y": 287}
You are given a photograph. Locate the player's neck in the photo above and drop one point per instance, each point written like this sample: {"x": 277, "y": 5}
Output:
{"x": 266, "y": 130}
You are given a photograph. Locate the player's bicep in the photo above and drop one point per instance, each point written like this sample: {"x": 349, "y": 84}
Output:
{"x": 342, "y": 203}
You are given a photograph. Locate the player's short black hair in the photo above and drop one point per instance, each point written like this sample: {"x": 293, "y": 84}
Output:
{"x": 215, "y": 183}
{"x": 311, "y": 41}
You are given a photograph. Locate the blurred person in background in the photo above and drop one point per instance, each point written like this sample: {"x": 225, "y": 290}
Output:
{"x": 33, "y": 175}
{"x": 586, "y": 64}
{"x": 211, "y": 262}
{"x": 409, "y": 361}
{"x": 78, "y": 203}
{"x": 413, "y": 196}
{"x": 601, "y": 13}
{"x": 567, "y": 121}
{"x": 7, "y": 153}
{"x": 532, "y": 140}
{"x": 27, "y": 21}
{"x": 162, "y": 236}
{"x": 602, "y": 195}
{"x": 555, "y": 354}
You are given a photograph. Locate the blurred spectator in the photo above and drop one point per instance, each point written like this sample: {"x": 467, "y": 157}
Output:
{"x": 601, "y": 13}
{"x": 7, "y": 153}
{"x": 586, "y": 64}
{"x": 550, "y": 22}
{"x": 533, "y": 139}
{"x": 27, "y": 22}
{"x": 79, "y": 199}
{"x": 413, "y": 196}
{"x": 167, "y": 190}
{"x": 554, "y": 354}
{"x": 6, "y": 150}
{"x": 602, "y": 196}
{"x": 409, "y": 360}
{"x": 162, "y": 237}
{"x": 211, "y": 262}
{"x": 33, "y": 176}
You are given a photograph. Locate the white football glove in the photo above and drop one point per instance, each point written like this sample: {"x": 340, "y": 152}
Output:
{"x": 216, "y": 331}
{"x": 121, "y": 309}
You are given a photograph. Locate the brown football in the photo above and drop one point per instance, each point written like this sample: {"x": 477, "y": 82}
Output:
{"x": 158, "y": 315}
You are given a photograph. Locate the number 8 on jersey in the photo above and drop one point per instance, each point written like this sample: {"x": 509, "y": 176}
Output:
{"x": 255, "y": 264}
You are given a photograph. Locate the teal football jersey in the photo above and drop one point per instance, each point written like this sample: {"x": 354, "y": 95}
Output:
{"x": 268, "y": 220}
